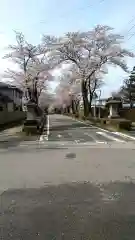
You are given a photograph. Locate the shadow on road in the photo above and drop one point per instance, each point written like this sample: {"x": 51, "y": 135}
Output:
{"x": 76, "y": 211}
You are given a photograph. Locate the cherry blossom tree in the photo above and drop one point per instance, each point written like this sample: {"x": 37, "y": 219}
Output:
{"x": 68, "y": 92}
{"x": 91, "y": 52}
{"x": 33, "y": 67}
{"x": 22, "y": 53}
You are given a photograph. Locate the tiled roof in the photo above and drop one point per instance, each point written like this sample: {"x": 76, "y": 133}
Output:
{"x": 5, "y": 85}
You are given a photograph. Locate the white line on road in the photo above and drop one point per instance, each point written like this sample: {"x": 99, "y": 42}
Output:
{"x": 101, "y": 142}
{"x": 107, "y": 131}
{"x": 59, "y": 135}
{"x": 70, "y": 134}
{"x": 44, "y": 137}
{"x": 124, "y": 135}
{"x": 110, "y": 137}
{"x": 48, "y": 125}
{"x": 90, "y": 125}
{"x": 94, "y": 139}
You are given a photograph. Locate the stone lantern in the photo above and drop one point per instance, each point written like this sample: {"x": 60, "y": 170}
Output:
{"x": 113, "y": 106}
{"x": 33, "y": 115}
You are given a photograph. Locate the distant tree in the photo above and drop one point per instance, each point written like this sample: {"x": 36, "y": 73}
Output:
{"x": 68, "y": 91}
{"x": 128, "y": 89}
{"x": 117, "y": 95}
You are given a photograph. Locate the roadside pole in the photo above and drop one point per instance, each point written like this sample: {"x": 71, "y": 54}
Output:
{"x": 99, "y": 103}
{"x": 48, "y": 126}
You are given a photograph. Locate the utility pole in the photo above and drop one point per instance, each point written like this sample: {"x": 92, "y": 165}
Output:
{"x": 99, "y": 102}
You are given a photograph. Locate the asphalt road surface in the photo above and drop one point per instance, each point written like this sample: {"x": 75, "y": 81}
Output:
{"x": 65, "y": 131}
{"x": 79, "y": 186}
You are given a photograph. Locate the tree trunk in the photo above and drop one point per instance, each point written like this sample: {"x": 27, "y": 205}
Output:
{"x": 131, "y": 104}
{"x": 90, "y": 103}
{"x": 76, "y": 104}
{"x": 73, "y": 107}
{"x": 90, "y": 106}
{"x": 68, "y": 109}
{"x": 85, "y": 98}
{"x": 91, "y": 93}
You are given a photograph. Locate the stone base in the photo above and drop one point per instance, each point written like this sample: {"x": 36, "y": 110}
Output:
{"x": 113, "y": 116}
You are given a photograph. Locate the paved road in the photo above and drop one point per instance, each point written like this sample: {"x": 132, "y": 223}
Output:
{"x": 68, "y": 192}
{"x": 66, "y": 131}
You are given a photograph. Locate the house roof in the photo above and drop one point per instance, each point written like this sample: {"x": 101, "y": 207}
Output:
{"x": 4, "y": 98}
{"x": 5, "y": 85}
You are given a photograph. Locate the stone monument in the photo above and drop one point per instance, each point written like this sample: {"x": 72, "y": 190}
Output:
{"x": 113, "y": 106}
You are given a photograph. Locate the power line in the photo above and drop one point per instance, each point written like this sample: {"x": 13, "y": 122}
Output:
{"x": 131, "y": 28}
{"x": 132, "y": 19}
{"x": 125, "y": 33}
{"x": 80, "y": 9}
{"x": 131, "y": 36}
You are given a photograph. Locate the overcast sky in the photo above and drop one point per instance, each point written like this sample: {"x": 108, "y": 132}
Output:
{"x": 35, "y": 17}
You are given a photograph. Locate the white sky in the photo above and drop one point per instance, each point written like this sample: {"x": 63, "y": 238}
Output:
{"x": 35, "y": 17}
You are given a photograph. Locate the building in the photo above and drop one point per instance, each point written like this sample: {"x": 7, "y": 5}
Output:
{"x": 10, "y": 104}
{"x": 10, "y": 97}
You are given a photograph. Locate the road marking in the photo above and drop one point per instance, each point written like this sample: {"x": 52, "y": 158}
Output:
{"x": 48, "y": 125}
{"x": 90, "y": 125}
{"x": 107, "y": 131}
{"x": 110, "y": 137}
{"x": 95, "y": 139}
{"x": 44, "y": 137}
{"x": 124, "y": 135}
{"x": 87, "y": 134}
{"x": 101, "y": 142}
{"x": 76, "y": 141}
{"x": 59, "y": 136}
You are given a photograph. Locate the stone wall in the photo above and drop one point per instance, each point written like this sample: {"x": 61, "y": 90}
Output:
{"x": 128, "y": 114}
{"x": 9, "y": 117}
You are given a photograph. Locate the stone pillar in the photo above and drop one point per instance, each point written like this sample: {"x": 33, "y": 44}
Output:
{"x": 113, "y": 109}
